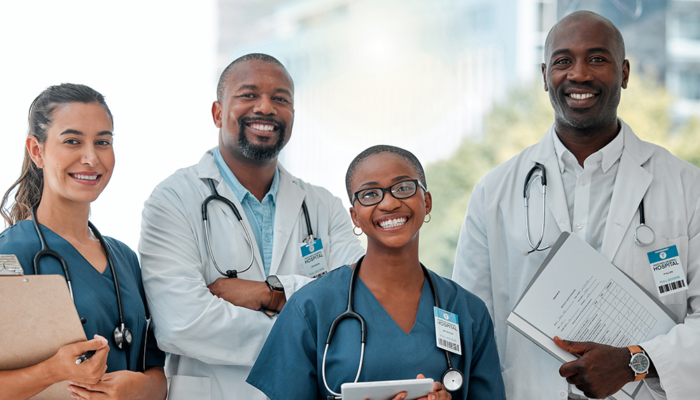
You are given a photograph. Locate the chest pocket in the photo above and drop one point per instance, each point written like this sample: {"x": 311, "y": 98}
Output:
{"x": 643, "y": 274}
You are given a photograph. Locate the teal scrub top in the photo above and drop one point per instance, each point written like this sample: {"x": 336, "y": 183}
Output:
{"x": 93, "y": 292}
{"x": 289, "y": 365}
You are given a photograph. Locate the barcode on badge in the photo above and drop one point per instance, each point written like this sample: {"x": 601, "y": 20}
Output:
{"x": 452, "y": 346}
{"x": 319, "y": 274}
{"x": 671, "y": 286}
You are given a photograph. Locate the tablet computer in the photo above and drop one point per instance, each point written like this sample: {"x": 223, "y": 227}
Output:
{"x": 386, "y": 390}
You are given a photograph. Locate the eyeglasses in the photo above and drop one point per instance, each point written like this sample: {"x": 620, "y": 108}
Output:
{"x": 400, "y": 190}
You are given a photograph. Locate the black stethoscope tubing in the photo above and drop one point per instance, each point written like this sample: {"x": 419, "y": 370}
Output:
{"x": 205, "y": 218}
{"x": 122, "y": 334}
{"x": 643, "y": 235}
{"x": 350, "y": 313}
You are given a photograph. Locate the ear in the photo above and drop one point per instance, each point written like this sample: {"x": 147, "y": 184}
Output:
{"x": 428, "y": 202}
{"x": 35, "y": 150}
{"x": 353, "y": 216}
{"x": 216, "y": 111}
{"x": 625, "y": 73}
{"x": 544, "y": 76}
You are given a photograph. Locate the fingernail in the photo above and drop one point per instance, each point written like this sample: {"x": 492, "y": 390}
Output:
{"x": 104, "y": 342}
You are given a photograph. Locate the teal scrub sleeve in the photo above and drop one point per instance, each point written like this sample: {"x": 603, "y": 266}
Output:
{"x": 296, "y": 372}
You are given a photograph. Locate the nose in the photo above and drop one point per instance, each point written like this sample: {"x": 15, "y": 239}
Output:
{"x": 89, "y": 156}
{"x": 265, "y": 106}
{"x": 389, "y": 202}
{"x": 580, "y": 72}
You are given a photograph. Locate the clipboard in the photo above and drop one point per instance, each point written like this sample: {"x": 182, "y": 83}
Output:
{"x": 37, "y": 317}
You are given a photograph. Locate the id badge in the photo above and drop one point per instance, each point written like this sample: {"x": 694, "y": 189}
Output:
{"x": 313, "y": 259}
{"x": 668, "y": 272}
{"x": 447, "y": 331}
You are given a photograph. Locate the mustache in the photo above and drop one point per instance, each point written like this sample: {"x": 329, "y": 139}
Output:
{"x": 252, "y": 120}
{"x": 580, "y": 86}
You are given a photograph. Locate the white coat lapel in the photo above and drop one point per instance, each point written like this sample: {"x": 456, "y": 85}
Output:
{"x": 556, "y": 197}
{"x": 287, "y": 211}
{"x": 631, "y": 184}
{"x": 209, "y": 170}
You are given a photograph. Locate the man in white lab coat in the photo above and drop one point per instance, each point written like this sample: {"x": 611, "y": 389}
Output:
{"x": 598, "y": 172}
{"x": 212, "y": 314}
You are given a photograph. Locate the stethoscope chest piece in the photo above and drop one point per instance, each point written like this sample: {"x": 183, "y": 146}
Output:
{"x": 644, "y": 235}
{"x": 452, "y": 379}
{"x": 122, "y": 335}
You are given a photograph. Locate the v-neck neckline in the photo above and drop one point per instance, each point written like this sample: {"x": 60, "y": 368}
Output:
{"x": 421, "y": 305}
{"x": 104, "y": 272}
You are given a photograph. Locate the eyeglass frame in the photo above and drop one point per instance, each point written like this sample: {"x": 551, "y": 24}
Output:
{"x": 388, "y": 189}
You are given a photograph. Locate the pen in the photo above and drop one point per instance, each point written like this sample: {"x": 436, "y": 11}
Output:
{"x": 85, "y": 356}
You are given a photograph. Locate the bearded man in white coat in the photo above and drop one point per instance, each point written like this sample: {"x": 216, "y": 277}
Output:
{"x": 211, "y": 307}
{"x": 598, "y": 172}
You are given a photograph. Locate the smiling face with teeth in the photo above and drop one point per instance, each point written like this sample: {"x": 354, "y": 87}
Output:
{"x": 256, "y": 112}
{"x": 77, "y": 157}
{"x": 392, "y": 223}
{"x": 584, "y": 73}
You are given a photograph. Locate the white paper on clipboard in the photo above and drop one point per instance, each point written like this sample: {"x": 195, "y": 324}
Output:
{"x": 579, "y": 295}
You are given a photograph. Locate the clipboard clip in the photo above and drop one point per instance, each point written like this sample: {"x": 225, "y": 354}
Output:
{"x": 9, "y": 265}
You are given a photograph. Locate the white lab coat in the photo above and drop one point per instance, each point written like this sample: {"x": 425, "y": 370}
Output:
{"x": 493, "y": 263}
{"x": 213, "y": 344}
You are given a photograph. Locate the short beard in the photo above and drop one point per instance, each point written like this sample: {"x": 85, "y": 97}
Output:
{"x": 260, "y": 152}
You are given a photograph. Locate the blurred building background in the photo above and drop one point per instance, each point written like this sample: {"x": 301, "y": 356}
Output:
{"x": 426, "y": 76}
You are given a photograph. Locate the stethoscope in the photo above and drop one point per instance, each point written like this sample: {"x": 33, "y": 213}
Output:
{"x": 121, "y": 335}
{"x": 452, "y": 378}
{"x": 205, "y": 217}
{"x": 643, "y": 234}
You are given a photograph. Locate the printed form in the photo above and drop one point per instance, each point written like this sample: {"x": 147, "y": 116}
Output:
{"x": 579, "y": 295}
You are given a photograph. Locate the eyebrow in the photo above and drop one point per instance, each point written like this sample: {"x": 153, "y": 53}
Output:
{"x": 74, "y": 132}
{"x": 254, "y": 87}
{"x": 589, "y": 51}
{"x": 397, "y": 179}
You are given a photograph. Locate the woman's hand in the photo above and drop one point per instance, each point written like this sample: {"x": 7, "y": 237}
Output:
{"x": 26, "y": 382}
{"x": 123, "y": 385}
{"x": 90, "y": 370}
{"x": 438, "y": 393}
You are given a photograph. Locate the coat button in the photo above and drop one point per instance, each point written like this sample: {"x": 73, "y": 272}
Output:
{"x": 563, "y": 394}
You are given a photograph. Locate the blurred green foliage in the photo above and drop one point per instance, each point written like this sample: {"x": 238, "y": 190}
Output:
{"x": 519, "y": 122}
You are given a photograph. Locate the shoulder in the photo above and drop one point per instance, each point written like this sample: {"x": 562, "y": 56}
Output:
{"x": 459, "y": 300}
{"x": 312, "y": 192}
{"x": 17, "y": 237}
{"x": 510, "y": 170}
{"x": 330, "y": 285}
{"x": 21, "y": 240}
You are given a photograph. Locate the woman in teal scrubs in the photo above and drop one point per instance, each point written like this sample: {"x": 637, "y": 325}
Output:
{"x": 68, "y": 162}
{"x": 390, "y": 203}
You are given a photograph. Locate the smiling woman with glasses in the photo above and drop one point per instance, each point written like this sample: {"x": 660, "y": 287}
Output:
{"x": 385, "y": 317}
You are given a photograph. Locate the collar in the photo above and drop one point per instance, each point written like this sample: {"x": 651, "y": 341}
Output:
{"x": 609, "y": 154}
{"x": 238, "y": 189}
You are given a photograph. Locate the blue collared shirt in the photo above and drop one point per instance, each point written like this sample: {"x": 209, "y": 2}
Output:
{"x": 261, "y": 215}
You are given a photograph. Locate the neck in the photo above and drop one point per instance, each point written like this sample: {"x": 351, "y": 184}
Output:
{"x": 67, "y": 219}
{"x": 254, "y": 175}
{"x": 584, "y": 142}
{"x": 387, "y": 266}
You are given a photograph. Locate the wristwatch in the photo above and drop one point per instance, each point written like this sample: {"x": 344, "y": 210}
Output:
{"x": 639, "y": 362}
{"x": 276, "y": 295}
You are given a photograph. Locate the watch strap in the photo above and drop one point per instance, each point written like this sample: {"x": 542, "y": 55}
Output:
{"x": 634, "y": 349}
{"x": 276, "y": 297}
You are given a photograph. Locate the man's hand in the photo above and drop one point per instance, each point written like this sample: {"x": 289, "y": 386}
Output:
{"x": 240, "y": 292}
{"x": 600, "y": 371}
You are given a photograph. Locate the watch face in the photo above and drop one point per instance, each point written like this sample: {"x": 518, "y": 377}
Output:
{"x": 274, "y": 283}
{"x": 639, "y": 363}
